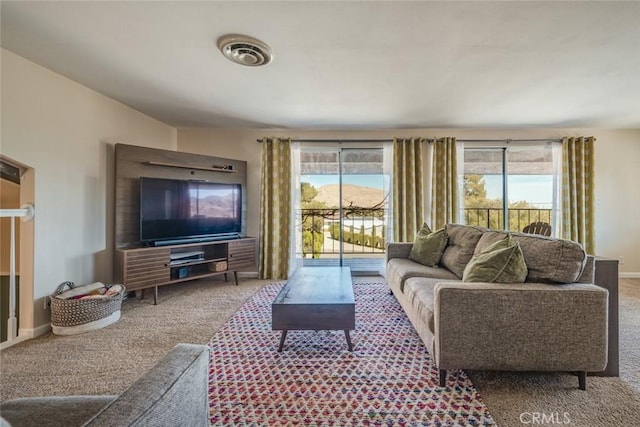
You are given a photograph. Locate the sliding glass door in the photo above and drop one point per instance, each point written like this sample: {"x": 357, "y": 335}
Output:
{"x": 510, "y": 187}
{"x": 343, "y": 207}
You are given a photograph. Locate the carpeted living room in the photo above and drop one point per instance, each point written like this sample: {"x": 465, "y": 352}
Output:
{"x": 111, "y": 359}
{"x": 319, "y": 213}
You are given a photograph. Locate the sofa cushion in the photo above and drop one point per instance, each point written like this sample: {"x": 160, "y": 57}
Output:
{"x": 428, "y": 246}
{"x": 488, "y": 238}
{"x": 549, "y": 260}
{"x": 500, "y": 262}
{"x": 419, "y": 292}
{"x": 460, "y": 246}
{"x": 400, "y": 269}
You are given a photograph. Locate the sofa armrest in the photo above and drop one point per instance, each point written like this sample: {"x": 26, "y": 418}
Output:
{"x": 68, "y": 411}
{"x": 398, "y": 250}
{"x": 528, "y": 326}
{"x": 174, "y": 392}
{"x": 588, "y": 273}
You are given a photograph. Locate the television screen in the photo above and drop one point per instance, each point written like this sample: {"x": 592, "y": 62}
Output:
{"x": 179, "y": 209}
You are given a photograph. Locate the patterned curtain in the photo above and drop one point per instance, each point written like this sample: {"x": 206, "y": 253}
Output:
{"x": 275, "y": 208}
{"x": 578, "y": 197}
{"x": 444, "y": 183}
{"x": 408, "y": 204}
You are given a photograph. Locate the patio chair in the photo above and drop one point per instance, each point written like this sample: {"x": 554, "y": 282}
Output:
{"x": 541, "y": 228}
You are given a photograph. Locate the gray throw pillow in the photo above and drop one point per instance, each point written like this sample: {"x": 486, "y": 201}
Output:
{"x": 428, "y": 247}
{"x": 500, "y": 262}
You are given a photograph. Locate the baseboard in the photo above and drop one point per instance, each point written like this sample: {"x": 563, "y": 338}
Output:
{"x": 370, "y": 273}
{"x": 254, "y": 274}
{"x": 630, "y": 275}
{"x": 26, "y": 334}
{"x": 7, "y": 344}
{"x": 248, "y": 274}
{"x": 36, "y": 332}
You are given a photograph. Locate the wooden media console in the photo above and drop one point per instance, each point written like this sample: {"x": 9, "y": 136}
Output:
{"x": 140, "y": 268}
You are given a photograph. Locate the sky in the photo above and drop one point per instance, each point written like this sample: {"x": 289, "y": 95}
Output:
{"x": 375, "y": 180}
{"x": 535, "y": 189}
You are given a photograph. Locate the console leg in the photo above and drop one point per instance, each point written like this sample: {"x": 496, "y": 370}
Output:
{"x": 443, "y": 377}
{"x": 235, "y": 276}
{"x": 582, "y": 380}
{"x": 282, "y": 338}
{"x": 155, "y": 295}
{"x": 142, "y": 294}
{"x": 349, "y": 345}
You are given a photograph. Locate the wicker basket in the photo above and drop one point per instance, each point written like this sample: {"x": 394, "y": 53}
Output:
{"x": 67, "y": 315}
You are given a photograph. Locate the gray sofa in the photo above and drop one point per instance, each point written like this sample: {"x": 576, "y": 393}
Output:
{"x": 173, "y": 393}
{"x": 555, "y": 321}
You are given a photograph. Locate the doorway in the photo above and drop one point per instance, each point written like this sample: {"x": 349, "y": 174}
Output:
{"x": 17, "y": 191}
{"x": 343, "y": 208}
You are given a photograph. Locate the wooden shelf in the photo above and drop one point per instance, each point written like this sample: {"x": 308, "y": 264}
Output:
{"x": 184, "y": 166}
{"x": 199, "y": 276}
{"x": 150, "y": 267}
{"x": 195, "y": 262}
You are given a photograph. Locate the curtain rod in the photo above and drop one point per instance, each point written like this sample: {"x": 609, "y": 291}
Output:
{"x": 512, "y": 140}
{"x": 427, "y": 139}
{"x": 335, "y": 140}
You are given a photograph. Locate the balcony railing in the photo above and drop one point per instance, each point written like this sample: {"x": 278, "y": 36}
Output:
{"x": 363, "y": 231}
{"x": 493, "y": 217}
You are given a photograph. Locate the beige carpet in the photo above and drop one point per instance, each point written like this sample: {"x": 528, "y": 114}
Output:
{"x": 108, "y": 360}
{"x": 514, "y": 397}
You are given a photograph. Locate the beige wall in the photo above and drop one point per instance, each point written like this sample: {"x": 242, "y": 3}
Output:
{"x": 65, "y": 132}
{"x": 618, "y": 196}
{"x": 617, "y": 174}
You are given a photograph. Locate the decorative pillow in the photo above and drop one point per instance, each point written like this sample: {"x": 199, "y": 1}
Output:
{"x": 428, "y": 247}
{"x": 500, "y": 262}
{"x": 461, "y": 244}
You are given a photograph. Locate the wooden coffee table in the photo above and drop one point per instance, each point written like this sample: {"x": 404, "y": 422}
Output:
{"x": 316, "y": 298}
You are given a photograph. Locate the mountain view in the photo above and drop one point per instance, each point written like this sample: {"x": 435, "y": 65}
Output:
{"x": 214, "y": 206}
{"x": 352, "y": 195}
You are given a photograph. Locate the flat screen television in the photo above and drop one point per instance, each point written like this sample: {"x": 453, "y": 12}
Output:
{"x": 172, "y": 209}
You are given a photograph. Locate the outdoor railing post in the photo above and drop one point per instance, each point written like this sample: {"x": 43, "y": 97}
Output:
{"x": 515, "y": 216}
{"x": 354, "y": 232}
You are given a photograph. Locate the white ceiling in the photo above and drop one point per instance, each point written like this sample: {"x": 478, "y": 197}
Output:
{"x": 347, "y": 65}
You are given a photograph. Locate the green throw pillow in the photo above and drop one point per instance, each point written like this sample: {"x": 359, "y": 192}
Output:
{"x": 500, "y": 262}
{"x": 428, "y": 247}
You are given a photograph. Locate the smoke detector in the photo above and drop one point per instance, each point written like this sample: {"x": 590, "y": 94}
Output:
{"x": 245, "y": 50}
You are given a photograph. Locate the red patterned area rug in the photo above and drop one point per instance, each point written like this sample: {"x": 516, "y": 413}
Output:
{"x": 388, "y": 380}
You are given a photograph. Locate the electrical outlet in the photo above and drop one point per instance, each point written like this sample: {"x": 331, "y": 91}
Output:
{"x": 621, "y": 258}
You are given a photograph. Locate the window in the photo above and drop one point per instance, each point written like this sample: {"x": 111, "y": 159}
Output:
{"x": 510, "y": 187}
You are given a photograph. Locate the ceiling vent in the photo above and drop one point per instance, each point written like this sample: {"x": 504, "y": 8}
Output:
{"x": 245, "y": 50}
